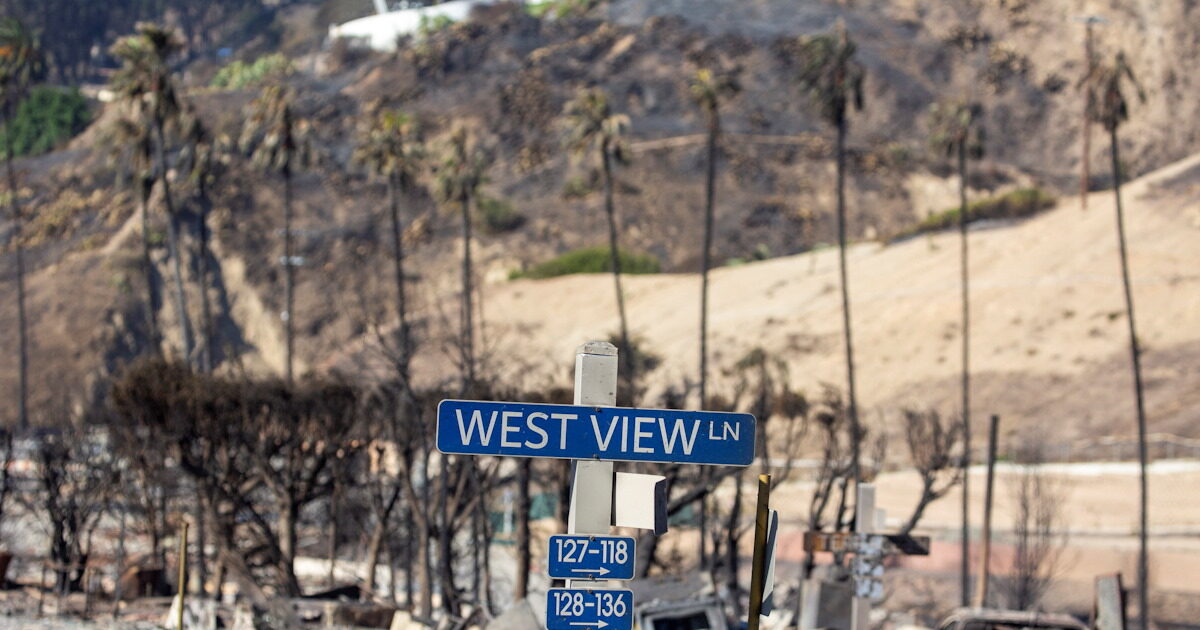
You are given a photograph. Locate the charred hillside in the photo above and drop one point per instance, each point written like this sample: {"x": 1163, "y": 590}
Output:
{"x": 507, "y": 75}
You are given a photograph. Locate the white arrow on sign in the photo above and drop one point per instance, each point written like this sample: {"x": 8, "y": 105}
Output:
{"x": 593, "y": 624}
{"x": 602, "y": 571}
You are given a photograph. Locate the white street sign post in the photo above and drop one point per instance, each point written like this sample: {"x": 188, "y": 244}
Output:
{"x": 594, "y": 433}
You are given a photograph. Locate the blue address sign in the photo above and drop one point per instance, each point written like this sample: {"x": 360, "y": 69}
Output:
{"x": 583, "y": 609}
{"x": 586, "y": 557}
{"x": 468, "y": 427}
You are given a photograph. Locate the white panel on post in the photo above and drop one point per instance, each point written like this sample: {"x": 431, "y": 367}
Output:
{"x": 591, "y": 498}
{"x": 768, "y": 603}
{"x": 640, "y": 501}
{"x": 591, "y": 491}
{"x": 596, "y": 374}
{"x": 864, "y": 523}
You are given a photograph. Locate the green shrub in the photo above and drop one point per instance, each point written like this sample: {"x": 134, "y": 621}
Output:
{"x": 589, "y": 260}
{"x": 761, "y": 252}
{"x": 239, "y": 74}
{"x": 1020, "y": 203}
{"x": 578, "y": 187}
{"x": 47, "y": 118}
{"x": 559, "y": 8}
{"x": 432, "y": 24}
{"x": 497, "y": 216}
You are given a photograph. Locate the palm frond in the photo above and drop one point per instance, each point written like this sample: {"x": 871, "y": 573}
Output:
{"x": 829, "y": 73}
{"x": 954, "y": 123}
{"x": 21, "y": 60}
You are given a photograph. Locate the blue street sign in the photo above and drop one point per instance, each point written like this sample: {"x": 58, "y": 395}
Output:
{"x": 585, "y": 609}
{"x": 468, "y": 427}
{"x": 584, "y": 557}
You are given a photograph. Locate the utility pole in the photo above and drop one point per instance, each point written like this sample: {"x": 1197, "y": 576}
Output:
{"x": 1089, "y": 62}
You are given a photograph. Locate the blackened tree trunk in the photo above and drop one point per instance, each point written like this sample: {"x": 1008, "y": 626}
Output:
{"x": 521, "y": 586}
{"x": 384, "y": 506}
{"x": 732, "y": 557}
{"x": 331, "y": 542}
{"x": 289, "y": 513}
{"x": 446, "y": 541}
{"x": 1139, "y": 395}
{"x": 201, "y": 542}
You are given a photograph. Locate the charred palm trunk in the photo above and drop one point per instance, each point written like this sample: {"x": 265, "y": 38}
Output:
{"x": 468, "y": 328}
{"x": 855, "y": 432}
{"x": 714, "y": 127}
{"x": 706, "y": 257}
{"x": 1143, "y": 569}
{"x": 181, "y": 309}
{"x": 289, "y": 275}
{"x": 398, "y": 268}
{"x": 22, "y": 327}
{"x": 965, "y": 568}
{"x": 206, "y": 354}
{"x": 615, "y": 261}
{"x": 153, "y": 301}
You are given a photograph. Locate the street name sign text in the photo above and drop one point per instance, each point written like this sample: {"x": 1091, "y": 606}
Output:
{"x": 508, "y": 429}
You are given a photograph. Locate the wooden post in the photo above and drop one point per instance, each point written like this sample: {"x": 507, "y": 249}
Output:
{"x": 762, "y": 521}
{"x": 182, "y": 559}
{"x": 982, "y": 585}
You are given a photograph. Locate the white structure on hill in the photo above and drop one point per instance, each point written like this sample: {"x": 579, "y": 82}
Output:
{"x": 381, "y": 31}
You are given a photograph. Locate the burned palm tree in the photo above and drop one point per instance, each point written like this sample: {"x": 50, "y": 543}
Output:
{"x": 278, "y": 140}
{"x": 1106, "y": 86}
{"x": 459, "y": 177}
{"x": 203, "y": 158}
{"x": 21, "y": 65}
{"x": 145, "y": 84}
{"x": 131, "y": 152}
{"x": 833, "y": 80}
{"x": 707, "y": 89}
{"x": 955, "y": 132}
{"x": 595, "y": 130}
{"x": 392, "y": 150}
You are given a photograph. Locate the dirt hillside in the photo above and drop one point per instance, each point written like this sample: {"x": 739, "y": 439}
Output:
{"x": 1049, "y": 347}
